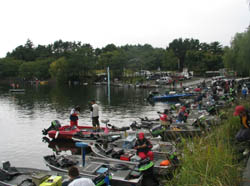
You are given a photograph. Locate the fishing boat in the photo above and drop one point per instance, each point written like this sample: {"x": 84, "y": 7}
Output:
{"x": 121, "y": 172}
{"x": 16, "y": 90}
{"x": 175, "y": 131}
{"x": 170, "y": 96}
{"x": 129, "y": 156}
{"x": 61, "y": 146}
{"x": 128, "y": 143}
{"x": 56, "y": 131}
{"x": 24, "y": 176}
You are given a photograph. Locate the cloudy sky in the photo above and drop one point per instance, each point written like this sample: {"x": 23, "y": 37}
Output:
{"x": 101, "y": 22}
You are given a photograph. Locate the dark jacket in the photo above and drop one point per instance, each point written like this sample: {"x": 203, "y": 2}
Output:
{"x": 141, "y": 142}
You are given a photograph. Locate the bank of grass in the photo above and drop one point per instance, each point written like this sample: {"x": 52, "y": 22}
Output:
{"x": 211, "y": 159}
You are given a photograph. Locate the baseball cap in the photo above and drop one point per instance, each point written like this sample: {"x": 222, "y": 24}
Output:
{"x": 238, "y": 110}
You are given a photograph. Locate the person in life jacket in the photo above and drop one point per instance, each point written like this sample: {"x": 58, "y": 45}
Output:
{"x": 164, "y": 118}
{"x": 243, "y": 114}
{"x": 143, "y": 147}
{"x": 74, "y": 116}
{"x": 244, "y": 133}
{"x": 182, "y": 115}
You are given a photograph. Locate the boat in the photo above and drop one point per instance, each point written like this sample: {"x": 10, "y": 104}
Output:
{"x": 24, "y": 176}
{"x": 128, "y": 143}
{"x": 67, "y": 132}
{"x": 175, "y": 131}
{"x": 56, "y": 131}
{"x": 110, "y": 136}
{"x": 16, "y": 90}
{"x": 121, "y": 172}
{"x": 168, "y": 97}
{"x": 60, "y": 146}
{"x": 129, "y": 156}
{"x": 44, "y": 82}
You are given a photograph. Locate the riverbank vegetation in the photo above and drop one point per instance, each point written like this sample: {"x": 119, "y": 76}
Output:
{"x": 213, "y": 159}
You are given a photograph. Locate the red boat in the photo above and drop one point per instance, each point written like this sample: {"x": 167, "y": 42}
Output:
{"x": 56, "y": 131}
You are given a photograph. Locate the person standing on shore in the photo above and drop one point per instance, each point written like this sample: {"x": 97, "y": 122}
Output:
{"x": 95, "y": 115}
{"x": 244, "y": 133}
{"x": 244, "y": 91}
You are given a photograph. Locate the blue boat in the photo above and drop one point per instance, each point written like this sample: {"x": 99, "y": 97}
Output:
{"x": 166, "y": 97}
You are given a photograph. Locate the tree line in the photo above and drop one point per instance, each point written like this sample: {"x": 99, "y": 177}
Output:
{"x": 237, "y": 55}
{"x": 64, "y": 60}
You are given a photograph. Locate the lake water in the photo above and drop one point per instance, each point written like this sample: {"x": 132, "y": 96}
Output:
{"x": 24, "y": 115}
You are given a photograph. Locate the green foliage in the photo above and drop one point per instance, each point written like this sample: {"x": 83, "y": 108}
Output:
{"x": 237, "y": 56}
{"x": 9, "y": 67}
{"x": 197, "y": 56}
{"x": 36, "y": 69}
{"x": 210, "y": 160}
{"x": 25, "y": 53}
{"x": 59, "y": 69}
{"x": 81, "y": 60}
{"x": 170, "y": 61}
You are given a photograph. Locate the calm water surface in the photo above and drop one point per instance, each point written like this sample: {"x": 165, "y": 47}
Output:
{"x": 24, "y": 115}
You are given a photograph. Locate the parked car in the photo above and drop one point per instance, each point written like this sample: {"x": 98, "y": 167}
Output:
{"x": 164, "y": 80}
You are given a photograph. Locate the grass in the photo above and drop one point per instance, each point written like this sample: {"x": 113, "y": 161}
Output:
{"x": 211, "y": 159}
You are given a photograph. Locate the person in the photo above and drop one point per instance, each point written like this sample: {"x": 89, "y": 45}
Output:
{"x": 244, "y": 91}
{"x": 76, "y": 180}
{"x": 173, "y": 84}
{"x": 164, "y": 118}
{"x": 182, "y": 115}
{"x": 244, "y": 133}
{"x": 74, "y": 116}
{"x": 95, "y": 115}
{"x": 143, "y": 146}
{"x": 204, "y": 83}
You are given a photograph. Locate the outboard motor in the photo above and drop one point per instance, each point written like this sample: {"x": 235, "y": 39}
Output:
{"x": 146, "y": 167}
{"x": 135, "y": 126}
{"x": 55, "y": 125}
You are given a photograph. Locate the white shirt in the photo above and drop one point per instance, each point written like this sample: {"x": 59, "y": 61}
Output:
{"x": 73, "y": 111}
{"x": 95, "y": 111}
{"x": 82, "y": 182}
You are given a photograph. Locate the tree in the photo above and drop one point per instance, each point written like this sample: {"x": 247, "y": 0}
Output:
{"x": 9, "y": 67}
{"x": 170, "y": 61}
{"x": 237, "y": 56}
{"x": 59, "y": 69}
{"x": 180, "y": 48}
{"x": 115, "y": 60}
{"x": 81, "y": 62}
{"x": 25, "y": 53}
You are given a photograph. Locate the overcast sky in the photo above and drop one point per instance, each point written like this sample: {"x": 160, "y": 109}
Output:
{"x": 121, "y": 22}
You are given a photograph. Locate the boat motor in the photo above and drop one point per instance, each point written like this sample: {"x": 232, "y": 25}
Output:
{"x": 55, "y": 125}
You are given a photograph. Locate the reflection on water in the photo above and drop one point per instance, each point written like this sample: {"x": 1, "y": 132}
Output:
{"x": 59, "y": 146}
{"x": 24, "y": 116}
